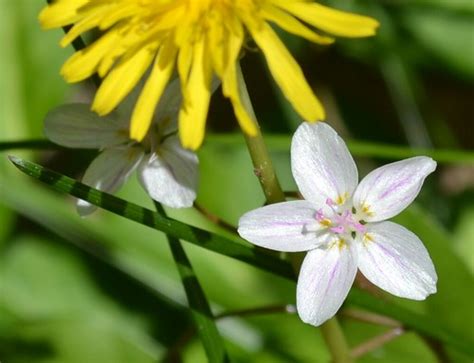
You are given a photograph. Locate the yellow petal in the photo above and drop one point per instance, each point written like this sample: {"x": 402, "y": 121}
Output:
{"x": 217, "y": 37}
{"x": 146, "y": 104}
{"x": 120, "y": 81}
{"x": 292, "y": 25}
{"x": 244, "y": 116}
{"x": 330, "y": 20}
{"x": 83, "y": 64}
{"x": 185, "y": 57}
{"x": 129, "y": 39}
{"x": 288, "y": 74}
{"x": 193, "y": 113}
{"x": 87, "y": 23}
{"x": 232, "y": 88}
{"x": 60, "y": 13}
{"x": 120, "y": 12}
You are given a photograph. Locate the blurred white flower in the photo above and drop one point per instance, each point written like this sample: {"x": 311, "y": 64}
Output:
{"x": 343, "y": 226}
{"x": 167, "y": 171}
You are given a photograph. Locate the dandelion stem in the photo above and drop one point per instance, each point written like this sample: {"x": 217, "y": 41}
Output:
{"x": 262, "y": 163}
{"x": 263, "y": 168}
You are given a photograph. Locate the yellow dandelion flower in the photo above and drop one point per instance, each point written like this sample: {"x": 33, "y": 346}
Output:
{"x": 199, "y": 39}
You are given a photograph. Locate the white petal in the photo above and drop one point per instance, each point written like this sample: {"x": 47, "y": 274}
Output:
{"x": 171, "y": 176}
{"x": 74, "y": 125}
{"x": 388, "y": 190}
{"x": 170, "y": 102}
{"x": 289, "y": 227}
{"x": 108, "y": 172}
{"x": 325, "y": 279}
{"x": 125, "y": 108}
{"x": 322, "y": 165}
{"x": 395, "y": 259}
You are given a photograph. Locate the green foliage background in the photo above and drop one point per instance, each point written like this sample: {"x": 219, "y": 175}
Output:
{"x": 104, "y": 289}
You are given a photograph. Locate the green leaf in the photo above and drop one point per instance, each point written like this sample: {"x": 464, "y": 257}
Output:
{"x": 200, "y": 308}
{"x": 424, "y": 324}
{"x": 282, "y": 143}
{"x": 359, "y": 148}
{"x": 201, "y": 311}
{"x": 171, "y": 227}
{"x": 28, "y": 144}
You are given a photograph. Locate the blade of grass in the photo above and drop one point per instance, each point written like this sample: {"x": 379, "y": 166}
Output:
{"x": 39, "y": 144}
{"x": 49, "y": 210}
{"x": 169, "y": 226}
{"x": 424, "y": 324}
{"x": 200, "y": 307}
{"x": 278, "y": 143}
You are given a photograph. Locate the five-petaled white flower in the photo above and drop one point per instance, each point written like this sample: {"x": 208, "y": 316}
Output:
{"x": 343, "y": 226}
{"x": 167, "y": 171}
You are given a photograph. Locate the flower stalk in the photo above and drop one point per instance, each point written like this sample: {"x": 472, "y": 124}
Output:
{"x": 335, "y": 341}
{"x": 262, "y": 163}
{"x": 263, "y": 167}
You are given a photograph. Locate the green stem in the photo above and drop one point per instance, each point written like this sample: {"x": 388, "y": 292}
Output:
{"x": 335, "y": 341}
{"x": 262, "y": 163}
{"x": 263, "y": 166}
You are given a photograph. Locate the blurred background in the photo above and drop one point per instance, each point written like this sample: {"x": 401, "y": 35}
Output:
{"x": 105, "y": 290}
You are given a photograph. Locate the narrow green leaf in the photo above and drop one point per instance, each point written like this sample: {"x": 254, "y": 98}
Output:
{"x": 282, "y": 143}
{"x": 169, "y": 226}
{"x": 426, "y": 325}
{"x": 28, "y": 144}
{"x": 359, "y": 148}
{"x": 200, "y": 308}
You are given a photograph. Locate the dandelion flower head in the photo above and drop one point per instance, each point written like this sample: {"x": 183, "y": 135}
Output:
{"x": 198, "y": 39}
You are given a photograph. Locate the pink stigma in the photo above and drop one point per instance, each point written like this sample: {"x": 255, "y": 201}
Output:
{"x": 330, "y": 202}
{"x": 320, "y": 215}
{"x": 338, "y": 229}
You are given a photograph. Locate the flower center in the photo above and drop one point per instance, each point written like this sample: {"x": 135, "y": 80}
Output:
{"x": 342, "y": 220}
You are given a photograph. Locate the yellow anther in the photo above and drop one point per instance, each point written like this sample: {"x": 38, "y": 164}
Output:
{"x": 366, "y": 210}
{"x": 367, "y": 238}
{"x": 326, "y": 222}
{"x": 341, "y": 199}
{"x": 339, "y": 243}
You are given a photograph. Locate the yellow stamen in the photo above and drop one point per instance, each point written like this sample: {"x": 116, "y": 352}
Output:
{"x": 367, "y": 239}
{"x": 341, "y": 199}
{"x": 340, "y": 243}
{"x": 366, "y": 210}
{"x": 326, "y": 222}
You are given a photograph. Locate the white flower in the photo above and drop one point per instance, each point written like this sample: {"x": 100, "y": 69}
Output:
{"x": 167, "y": 171}
{"x": 343, "y": 226}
